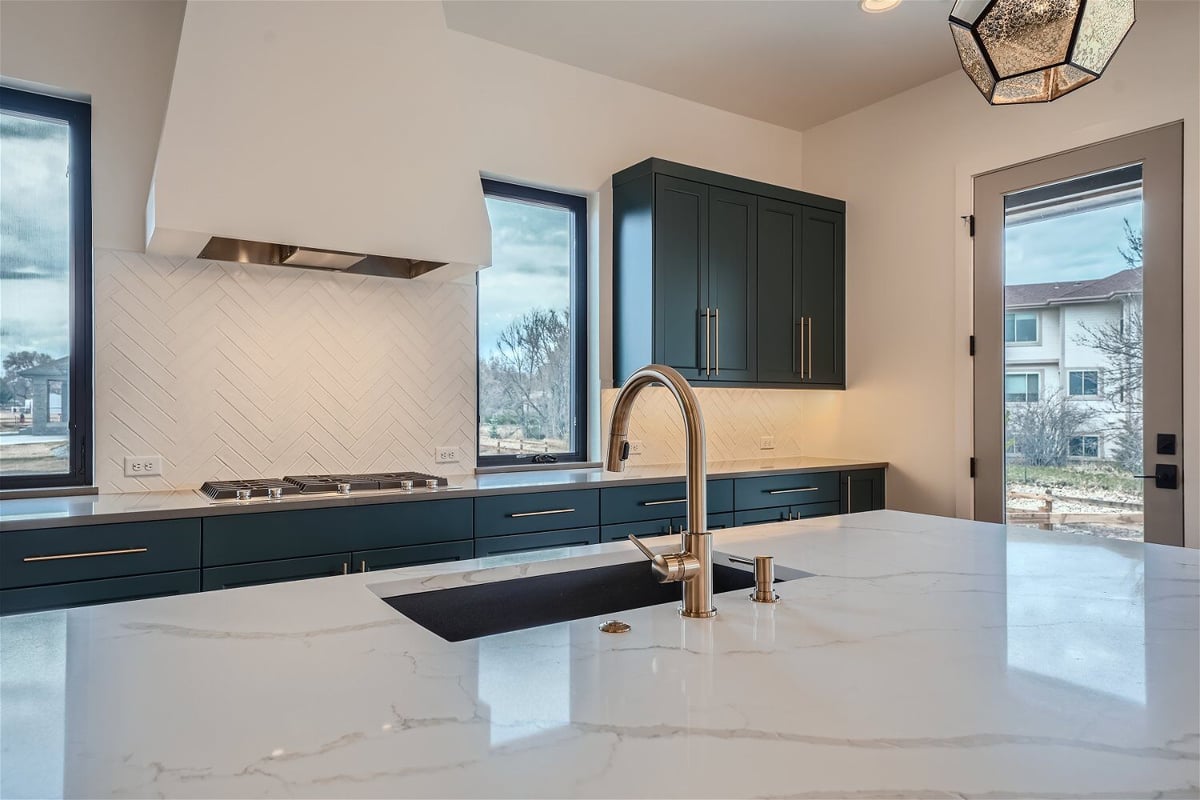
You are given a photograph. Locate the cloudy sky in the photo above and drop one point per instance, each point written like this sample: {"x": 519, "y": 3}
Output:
{"x": 1076, "y": 247}
{"x": 34, "y": 235}
{"x": 531, "y": 256}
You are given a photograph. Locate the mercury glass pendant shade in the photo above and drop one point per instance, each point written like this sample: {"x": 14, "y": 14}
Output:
{"x": 1034, "y": 51}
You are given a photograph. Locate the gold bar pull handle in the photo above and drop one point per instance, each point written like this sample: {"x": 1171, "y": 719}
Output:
{"x": 793, "y": 491}
{"x": 519, "y": 514}
{"x": 717, "y": 325}
{"x": 663, "y": 502}
{"x": 707, "y": 340}
{"x": 92, "y": 554}
{"x": 798, "y": 355}
{"x": 810, "y": 340}
{"x": 362, "y": 566}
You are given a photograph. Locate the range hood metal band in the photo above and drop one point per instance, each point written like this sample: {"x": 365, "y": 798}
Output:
{"x": 248, "y": 251}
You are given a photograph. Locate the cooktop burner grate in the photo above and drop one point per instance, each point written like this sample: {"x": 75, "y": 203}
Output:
{"x": 311, "y": 484}
{"x": 227, "y": 490}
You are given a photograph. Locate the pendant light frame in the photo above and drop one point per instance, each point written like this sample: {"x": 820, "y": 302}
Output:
{"x": 1006, "y": 88}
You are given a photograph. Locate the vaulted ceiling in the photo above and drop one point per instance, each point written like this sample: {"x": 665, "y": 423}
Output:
{"x": 796, "y": 63}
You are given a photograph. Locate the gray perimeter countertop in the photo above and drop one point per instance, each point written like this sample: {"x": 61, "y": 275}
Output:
{"x": 58, "y": 512}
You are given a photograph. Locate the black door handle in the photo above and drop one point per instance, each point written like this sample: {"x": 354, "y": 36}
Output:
{"x": 1166, "y": 476}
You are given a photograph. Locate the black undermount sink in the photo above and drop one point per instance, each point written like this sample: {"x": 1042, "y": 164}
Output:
{"x": 469, "y": 612}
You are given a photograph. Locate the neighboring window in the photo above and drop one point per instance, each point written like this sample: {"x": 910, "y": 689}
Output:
{"x": 1020, "y": 327}
{"x": 45, "y": 291}
{"x": 1083, "y": 447}
{"x": 532, "y": 328}
{"x": 1021, "y": 387}
{"x": 1083, "y": 383}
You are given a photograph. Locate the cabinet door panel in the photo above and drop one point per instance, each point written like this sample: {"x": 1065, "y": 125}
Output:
{"x": 862, "y": 490}
{"x": 822, "y": 290}
{"x": 288, "y": 569}
{"x": 525, "y": 542}
{"x": 680, "y": 274}
{"x": 619, "y": 532}
{"x": 778, "y": 328}
{"x": 761, "y": 516}
{"x": 398, "y": 557}
{"x": 732, "y": 288}
{"x": 106, "y": 590}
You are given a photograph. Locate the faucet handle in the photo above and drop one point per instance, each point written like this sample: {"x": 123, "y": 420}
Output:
{"x": 668, "y": 567}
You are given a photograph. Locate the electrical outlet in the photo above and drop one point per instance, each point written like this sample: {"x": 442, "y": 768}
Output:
{"x": 143, "y": 466}
{"x": 766, "y": 443}
{"x": 635, "y": 447}
{"x": 446, "y": 455}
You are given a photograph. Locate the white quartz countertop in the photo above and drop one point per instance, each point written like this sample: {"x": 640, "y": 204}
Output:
{"x": 927, "y": 658}
{"x": 54, "y": 512}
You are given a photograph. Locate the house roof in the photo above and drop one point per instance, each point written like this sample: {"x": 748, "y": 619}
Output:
{"x": 1127, "y": 281}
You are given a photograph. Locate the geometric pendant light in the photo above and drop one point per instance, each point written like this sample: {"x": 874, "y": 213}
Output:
{"x": 1034, "y": 51}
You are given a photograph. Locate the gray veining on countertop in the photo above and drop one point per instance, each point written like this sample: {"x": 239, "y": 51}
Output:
{"x": 925, "y": 658}
{"x": 57, "y": 512}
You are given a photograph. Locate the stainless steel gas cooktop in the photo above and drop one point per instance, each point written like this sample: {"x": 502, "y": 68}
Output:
{"x": 292, "y": 485}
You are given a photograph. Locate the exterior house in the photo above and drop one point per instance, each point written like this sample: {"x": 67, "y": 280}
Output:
{"x": 1046, "y": 327}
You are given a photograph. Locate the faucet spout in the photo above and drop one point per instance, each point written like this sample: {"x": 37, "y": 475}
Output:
{"x": 693, "y": 565}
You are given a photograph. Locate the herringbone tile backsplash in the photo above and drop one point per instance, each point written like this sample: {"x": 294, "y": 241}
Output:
{"x": 234, "y": 370}
{"x": 231, "y": 370}
{"x": 734, "y": 421}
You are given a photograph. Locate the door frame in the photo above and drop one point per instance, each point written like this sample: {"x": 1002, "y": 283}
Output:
{"x": 1160, "y": 151}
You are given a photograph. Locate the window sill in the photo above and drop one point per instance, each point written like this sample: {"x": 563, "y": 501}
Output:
{"x": 49, "y": 491}
{"x": 537, "y": 467}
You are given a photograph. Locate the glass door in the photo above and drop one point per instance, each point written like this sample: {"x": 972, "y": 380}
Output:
{"x": 1078, "y": 372}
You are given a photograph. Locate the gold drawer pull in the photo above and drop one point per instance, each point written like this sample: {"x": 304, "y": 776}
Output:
{"x": 541, "y": 513}
{"x": 663, "y": 502}
{"x": 64, "y": 556}
{"x": 791, "y": 491}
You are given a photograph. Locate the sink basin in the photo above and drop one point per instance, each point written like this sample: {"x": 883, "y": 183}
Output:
{"x": 483, "y": 609}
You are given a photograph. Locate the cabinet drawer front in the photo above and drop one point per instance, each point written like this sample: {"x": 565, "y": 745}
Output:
{"x": 619, "y": 532}
{"x": 658, "y": 500}
{"x": 106, "y": 590}
{"x": 760, "y": 516}
{"x": 524, "y": 542}
{"x": 718, "y": 521}
{"x": 816, "y": 510}
{"x": 91, "y": 552}
{"x": 414, "y": 555}
{"x": 288, "y": 569}
{"x": 784, "y": 490}
{"x": 271, "y": 535}
{"x": 544, "y": 511}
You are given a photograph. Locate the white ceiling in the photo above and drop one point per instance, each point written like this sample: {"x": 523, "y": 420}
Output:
{"x": 796, "y": 63}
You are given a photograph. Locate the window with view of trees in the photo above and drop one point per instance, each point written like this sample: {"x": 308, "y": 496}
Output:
{"x": 45, "y": 291}
{"x": 532, "y": 331}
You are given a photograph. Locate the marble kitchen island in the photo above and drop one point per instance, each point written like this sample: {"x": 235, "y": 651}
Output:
{"x": 926, "y": 657}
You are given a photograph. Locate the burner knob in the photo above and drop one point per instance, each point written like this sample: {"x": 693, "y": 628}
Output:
{"x": 243, "y": 494}
{"x": 406, "y": 484}
{"x": 343, "y": 488}
{"x": 431, "y": 483}
{"x": 275, "y": 492}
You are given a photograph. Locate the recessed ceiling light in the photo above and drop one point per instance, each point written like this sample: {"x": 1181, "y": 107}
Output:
{"x": 877, "y": 6}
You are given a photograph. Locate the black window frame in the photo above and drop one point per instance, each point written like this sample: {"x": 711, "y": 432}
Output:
{"x": 78, "y": 116}
{"x": 577, "y": 206}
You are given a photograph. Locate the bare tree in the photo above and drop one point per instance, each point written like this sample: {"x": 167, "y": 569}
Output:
{"x": 1041, "y": 431}
{"x": 528, "y": 379}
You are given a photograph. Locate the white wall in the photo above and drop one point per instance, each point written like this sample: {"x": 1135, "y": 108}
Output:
{"x": 904, "y": 166}
{"x": 121, "y": 54}
{"x": 533, "y": 120}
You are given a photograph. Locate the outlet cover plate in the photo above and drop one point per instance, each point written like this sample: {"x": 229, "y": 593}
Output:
{"x": 143, "y": 466}
{"x": 635, "y": 447}
{"x": 766, "y": 443}
{"x": 446, "y": 455}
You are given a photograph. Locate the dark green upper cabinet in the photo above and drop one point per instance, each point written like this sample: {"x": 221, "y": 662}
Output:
{"x": 722, "y": 278}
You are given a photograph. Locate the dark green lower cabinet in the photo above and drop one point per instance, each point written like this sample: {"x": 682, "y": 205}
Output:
{"x": 104, "y": 590}
{"x": 287, "y": 569}
{"x": 416, "y": 555}
{"x": 761, "y": 516}
{"x": 659, "y": 527}
{"x": 525, "y": 542}
{"x": 862, "y": 490}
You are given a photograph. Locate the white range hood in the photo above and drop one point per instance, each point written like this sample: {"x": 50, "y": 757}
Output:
{"x": 308, "y": 134}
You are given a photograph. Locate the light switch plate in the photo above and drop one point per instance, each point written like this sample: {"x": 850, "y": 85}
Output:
{"x": 143, "y": 466}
